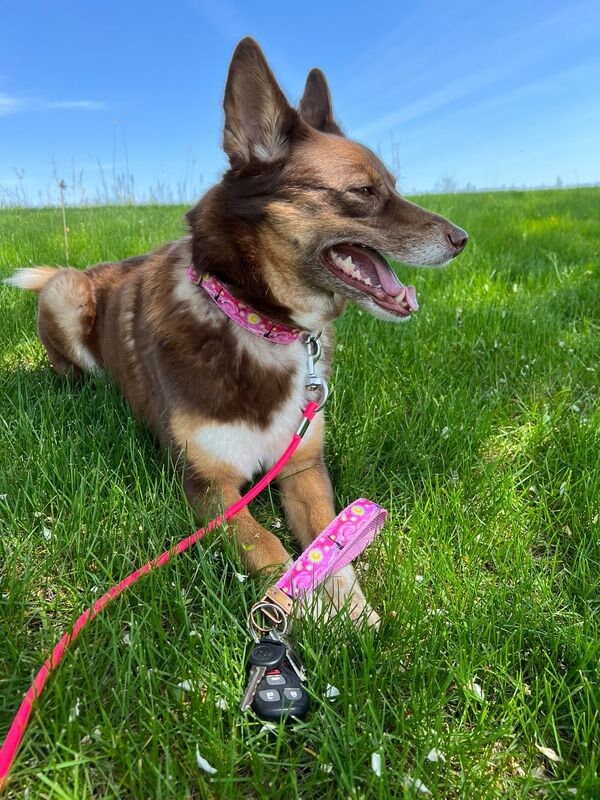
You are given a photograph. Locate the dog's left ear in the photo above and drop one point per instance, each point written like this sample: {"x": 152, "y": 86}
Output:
{"x": 259, "y": 121}
{"x": 315, "y": 106}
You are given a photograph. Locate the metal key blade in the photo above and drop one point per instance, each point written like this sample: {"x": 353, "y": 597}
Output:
{"x": 295, "y": 664}
{"x": 291, "y": 656}
{"x": 255, "y": 676}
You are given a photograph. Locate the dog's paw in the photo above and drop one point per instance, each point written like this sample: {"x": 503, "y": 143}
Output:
{"x": 362, "y": 615}
{"x": 341, "y": 591}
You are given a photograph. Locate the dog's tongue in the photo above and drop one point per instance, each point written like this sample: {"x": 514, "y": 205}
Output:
{"x": 387, "y": 278}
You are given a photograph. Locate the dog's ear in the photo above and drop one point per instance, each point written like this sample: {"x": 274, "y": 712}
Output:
{"x": 258, "y": 118}
{"x": 315, "y": 106}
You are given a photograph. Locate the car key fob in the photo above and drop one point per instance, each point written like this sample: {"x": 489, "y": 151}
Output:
{"x": 280, "y": 694}
{"x": 275, "y": 681}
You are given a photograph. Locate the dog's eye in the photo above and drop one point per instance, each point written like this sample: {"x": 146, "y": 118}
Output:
{"x": 364, "y": 191}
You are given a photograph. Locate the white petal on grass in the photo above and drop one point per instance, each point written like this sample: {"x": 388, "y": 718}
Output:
{"x": 475, "y": 688}
{"x": 185, "y": 686}
{"x": 203, "y": 764}
{"x": 419, "y": 578}
{"x": 331, "y": 692}
{"x": 221, "y": 702}
{"x": 415, "y": 783}
{"x": 127, "y": 637}
{"x": 195, "y": 633}
{"x": 550, "y": 754}
{"x": 328, "y": 768}
{"x": 435, "y": 755}
{"x": 241, "y": 578}
{"x": 46, "y": 533}
{"x": 3, "y": 497}
{"x": 74, "y": 711}
{"x": 376, "y": 764}
{"x": 268, "y": 727}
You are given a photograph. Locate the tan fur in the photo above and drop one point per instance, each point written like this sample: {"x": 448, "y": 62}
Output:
{"x": 66, "y": 316}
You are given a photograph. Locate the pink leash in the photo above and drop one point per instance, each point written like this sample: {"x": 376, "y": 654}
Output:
{"x": 19, "y": 724}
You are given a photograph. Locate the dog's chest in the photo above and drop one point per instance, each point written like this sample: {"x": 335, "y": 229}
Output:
{"x": 249, "y": 448}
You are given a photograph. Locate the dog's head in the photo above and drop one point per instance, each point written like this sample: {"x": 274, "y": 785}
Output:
{"x": 304, "y": 215}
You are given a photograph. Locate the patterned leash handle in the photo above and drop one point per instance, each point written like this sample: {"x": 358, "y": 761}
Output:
{"x": 340, "y": 543}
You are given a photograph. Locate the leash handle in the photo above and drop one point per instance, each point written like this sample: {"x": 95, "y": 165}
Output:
{"x": 341, "y": 542}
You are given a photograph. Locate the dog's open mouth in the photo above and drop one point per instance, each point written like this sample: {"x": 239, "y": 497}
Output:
{"x": 365, "y": 269}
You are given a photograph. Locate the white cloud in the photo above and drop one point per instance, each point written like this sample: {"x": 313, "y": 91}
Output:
{"x": 75, "y": 105}
{"x": 11, "y": 104}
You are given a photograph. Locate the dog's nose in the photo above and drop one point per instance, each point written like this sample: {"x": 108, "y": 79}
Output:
{"x": 458, "y": 238}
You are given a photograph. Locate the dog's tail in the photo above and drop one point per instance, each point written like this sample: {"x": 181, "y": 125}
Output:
{"x": 32, "y": 278}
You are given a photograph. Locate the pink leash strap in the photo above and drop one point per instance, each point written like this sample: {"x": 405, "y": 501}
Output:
{"x": 341, "y": 542}
{"x": 15, "y": 733}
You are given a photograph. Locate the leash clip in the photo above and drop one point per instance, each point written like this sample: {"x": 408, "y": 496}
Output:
{"x": 315, "y": 382}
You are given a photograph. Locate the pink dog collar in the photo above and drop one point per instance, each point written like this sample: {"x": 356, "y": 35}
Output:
{"x": 239, "y": 312}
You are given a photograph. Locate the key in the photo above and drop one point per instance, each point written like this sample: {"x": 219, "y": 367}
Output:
{"x": 290, "y": 654}
{"x": 266, "y": 655}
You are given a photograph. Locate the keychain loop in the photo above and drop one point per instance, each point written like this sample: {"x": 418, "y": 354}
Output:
{"x": 275, "y": 614}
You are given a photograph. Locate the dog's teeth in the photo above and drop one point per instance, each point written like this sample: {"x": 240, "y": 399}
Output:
{"x": 347, "y": 265}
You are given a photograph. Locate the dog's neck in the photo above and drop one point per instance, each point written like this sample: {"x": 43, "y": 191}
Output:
{"x": 226, "y": 242}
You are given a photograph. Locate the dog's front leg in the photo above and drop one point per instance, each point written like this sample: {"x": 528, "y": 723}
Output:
{"x": 307, "y": 497}
{"x": 260, "y": 549}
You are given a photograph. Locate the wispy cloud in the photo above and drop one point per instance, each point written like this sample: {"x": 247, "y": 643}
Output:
{"x": 75, "y": 105}
{"x": 12, "y": 104}
{"x": 9, "y": 104}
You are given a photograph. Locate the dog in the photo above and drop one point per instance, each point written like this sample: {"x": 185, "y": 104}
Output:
{"x": 294, "y": 230}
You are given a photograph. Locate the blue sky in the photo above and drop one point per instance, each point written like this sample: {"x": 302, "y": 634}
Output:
{"x": 487, "y": 93}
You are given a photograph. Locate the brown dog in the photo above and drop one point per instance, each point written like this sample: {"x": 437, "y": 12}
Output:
{"x": 294, "y": 230}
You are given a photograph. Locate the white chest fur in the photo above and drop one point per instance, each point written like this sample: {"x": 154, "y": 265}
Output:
{"x": 247, "y": 448}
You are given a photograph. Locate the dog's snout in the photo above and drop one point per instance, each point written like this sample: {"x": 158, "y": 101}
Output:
{"x": 458, "y": 238}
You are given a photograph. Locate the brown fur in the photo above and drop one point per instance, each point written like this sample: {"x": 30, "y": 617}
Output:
{"x": 296, "y": 186}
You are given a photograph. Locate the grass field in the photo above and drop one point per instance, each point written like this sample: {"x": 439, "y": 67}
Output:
{"x": 476, "y": 425}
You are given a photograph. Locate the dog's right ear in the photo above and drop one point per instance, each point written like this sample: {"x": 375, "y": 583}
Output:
{"x": 315, "y": 106}
{"x": 258, "y": 118}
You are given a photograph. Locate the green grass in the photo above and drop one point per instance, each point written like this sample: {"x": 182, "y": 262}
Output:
{"x": 476, "y": 425}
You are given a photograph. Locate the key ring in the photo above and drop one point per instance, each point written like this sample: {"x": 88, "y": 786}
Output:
{"x": 279, "y": 619}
